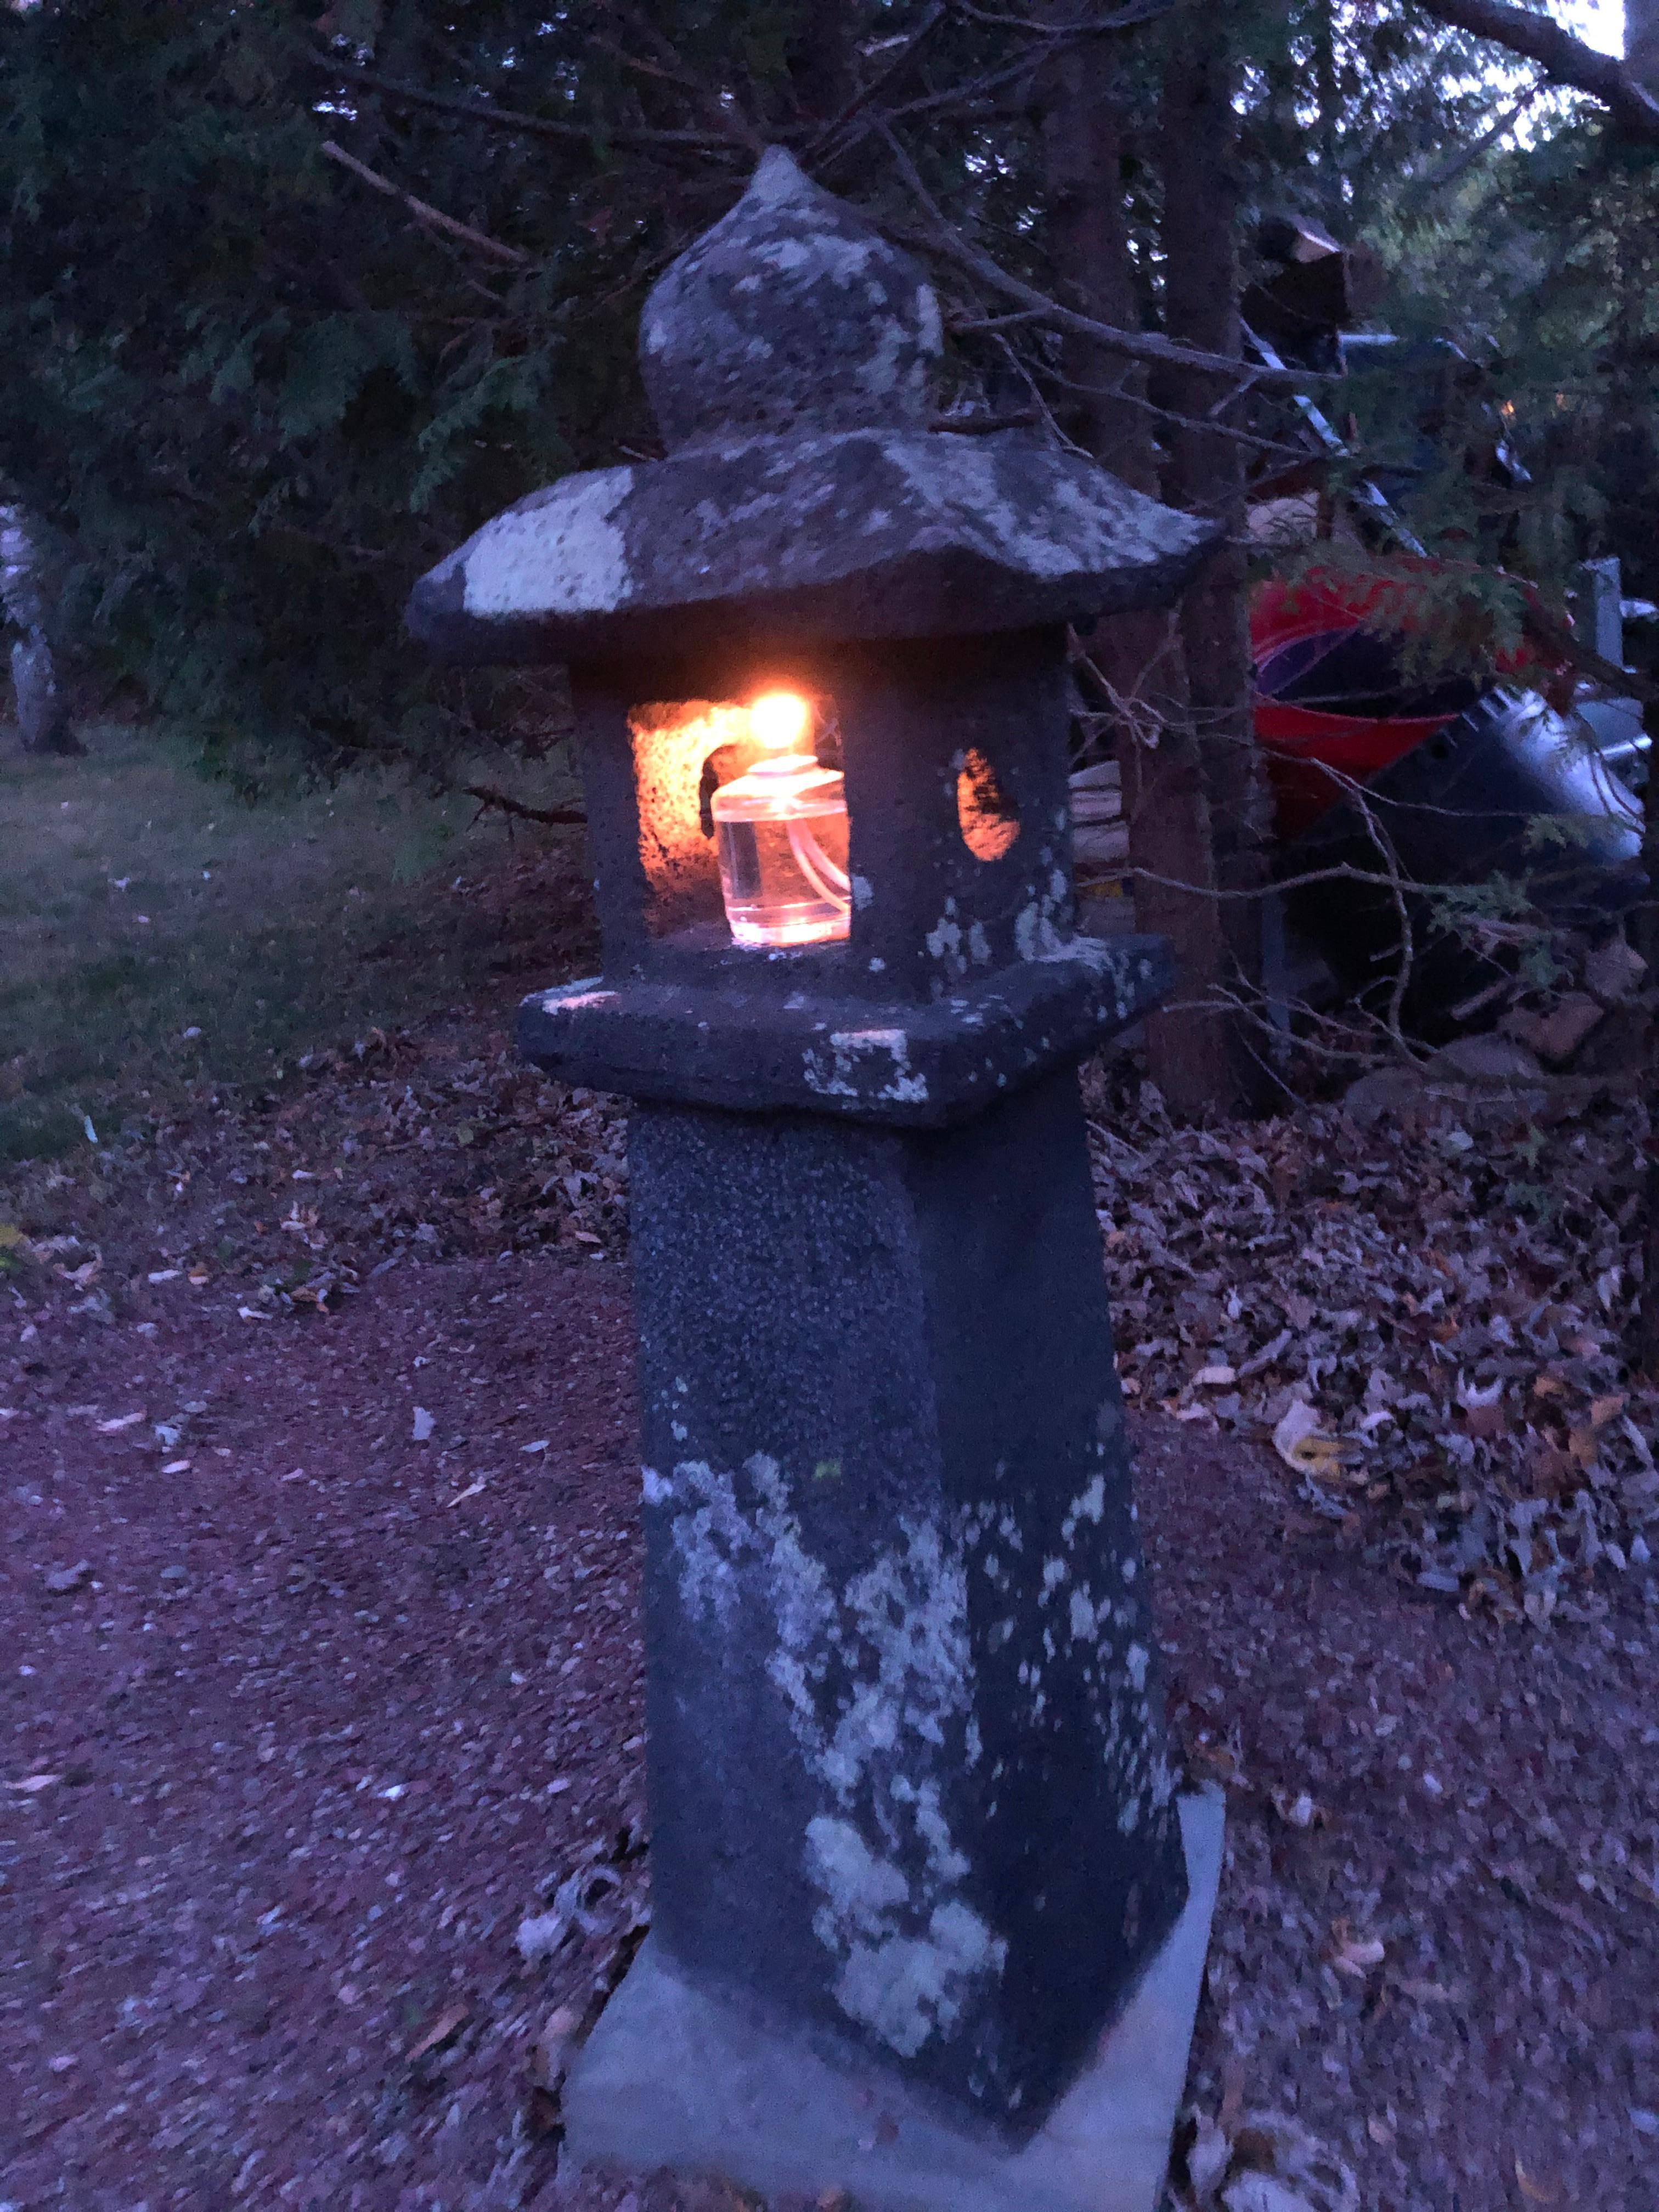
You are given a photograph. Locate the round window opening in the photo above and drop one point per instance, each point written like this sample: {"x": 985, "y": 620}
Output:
{"x": 990, "y": 824}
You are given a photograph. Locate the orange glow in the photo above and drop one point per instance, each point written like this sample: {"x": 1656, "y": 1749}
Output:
{"x": 780, "y": 721}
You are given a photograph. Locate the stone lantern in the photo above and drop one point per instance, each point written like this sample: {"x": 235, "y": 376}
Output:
{"x": 929, "y": 1916}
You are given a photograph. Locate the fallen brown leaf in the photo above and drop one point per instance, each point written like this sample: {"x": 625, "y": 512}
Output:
{"x": 448, "y": 2024}
{"x": 1296, "y": 1809}
{"x": 1352, "y": 1955}
{"x": 1534, "y": 2188}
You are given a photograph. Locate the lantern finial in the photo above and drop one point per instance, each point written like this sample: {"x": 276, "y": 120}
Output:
{"x": 792, "y": 314}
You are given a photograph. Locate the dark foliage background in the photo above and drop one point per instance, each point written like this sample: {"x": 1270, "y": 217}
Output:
{"x": 250, "y": 397}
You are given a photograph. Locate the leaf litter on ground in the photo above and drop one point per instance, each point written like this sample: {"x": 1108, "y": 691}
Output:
{"x": 1427, "y": 1333}
{"x": 1421, "y": 1314}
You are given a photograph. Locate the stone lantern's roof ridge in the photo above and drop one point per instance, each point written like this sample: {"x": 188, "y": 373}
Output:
{"x": 790, "y": 354}
{"x": 793, "y": 312}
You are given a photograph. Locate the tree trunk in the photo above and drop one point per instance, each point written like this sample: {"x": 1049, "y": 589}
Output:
{"x": 1136, "y": 657}
{"x": 1642, "y": 58}
{"x": 43, "y": 723}
{"x": 1323, "y": 34}
{"x": 1644, "y": 1341}
{"x": 1642, "y": 41}
{"x": 1198, "y": 134}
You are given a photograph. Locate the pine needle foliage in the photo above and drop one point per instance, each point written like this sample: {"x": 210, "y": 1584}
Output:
{"x": 250, "y": 397}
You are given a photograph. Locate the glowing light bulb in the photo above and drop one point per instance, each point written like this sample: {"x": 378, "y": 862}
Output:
{"x": 780, "y": 721}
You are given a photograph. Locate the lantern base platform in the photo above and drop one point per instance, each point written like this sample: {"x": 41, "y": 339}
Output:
{"x": 908, "y": 1066}
{"x": 674, "y": 2076}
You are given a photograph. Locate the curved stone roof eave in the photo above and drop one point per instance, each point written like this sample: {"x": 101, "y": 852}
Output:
{"x": 861, "y": 534}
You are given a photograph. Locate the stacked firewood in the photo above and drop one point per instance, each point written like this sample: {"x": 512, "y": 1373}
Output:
{"x": 1100, "y": 836}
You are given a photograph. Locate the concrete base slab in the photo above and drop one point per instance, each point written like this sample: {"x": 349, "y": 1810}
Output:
{"x": 675, "y": 2077}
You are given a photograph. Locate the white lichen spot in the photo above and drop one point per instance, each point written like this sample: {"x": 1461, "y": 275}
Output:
{"x": 565, "y": 556}
{"x": 944, "y": 939}
{"x": 860, "y": 1889}
{"x": 1135, "y": 1661}
{"x": 1089, "y": 1505}
{"x": 1036, "y": 937}
{"x": 1055, "y": 1572}
{"x": 827, "y": 1077}
{"x": 655, "y": 1491}
{"x": 863, "y": 892}
{"x": 1084, "y": 1627}
{"x": 912, "y": 1987}
{"x": 848, "y": 1071}
{"x": 908, "y": 1953}
{"x": 930, "y": 324}
{"x": 943, "y": 1858}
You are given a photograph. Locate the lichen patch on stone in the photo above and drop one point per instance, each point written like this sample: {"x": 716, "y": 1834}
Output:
{"x": 876, "y": 1683}
{"x": 566, "y": 554}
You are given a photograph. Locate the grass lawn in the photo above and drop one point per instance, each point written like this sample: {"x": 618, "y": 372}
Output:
{"x": 155, "y": 931}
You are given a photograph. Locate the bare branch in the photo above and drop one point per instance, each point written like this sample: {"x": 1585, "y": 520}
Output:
{"x": 1449, "y": 172}
{"x": 985, "y": 426}
{"x": 721, "y": 110}
{"x": 1137, "y": 345}
{"x": 891, "y": 68}
{"x": 1566, "y": 644}
{"x": 1120, "y": 18}
{"x": 511, "y": 119}
{"x": 1562, "y": 58}
{"x": 423, "y": 212}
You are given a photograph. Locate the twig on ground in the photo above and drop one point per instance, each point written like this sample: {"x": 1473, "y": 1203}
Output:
{"x": 491, "y": 800}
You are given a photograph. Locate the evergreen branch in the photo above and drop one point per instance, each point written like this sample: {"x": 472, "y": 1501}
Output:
{"x": 510, "y": 118}
{"x": 1137, "y": 345}
{"x": 1562, "y": 58}
{"x": 423, "y": 212}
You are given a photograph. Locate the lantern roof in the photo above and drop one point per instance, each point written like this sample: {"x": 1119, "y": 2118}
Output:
{"x": 789, "y": 356}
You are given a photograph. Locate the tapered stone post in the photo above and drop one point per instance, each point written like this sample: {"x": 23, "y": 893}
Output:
{"x": 929, "y": 1915}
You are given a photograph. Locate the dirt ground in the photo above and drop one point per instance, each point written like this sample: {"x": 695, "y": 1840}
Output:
{"x": 302, "y": 1717}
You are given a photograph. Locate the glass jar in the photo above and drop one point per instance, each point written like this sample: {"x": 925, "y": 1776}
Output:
{"x": 781, "y": 832}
